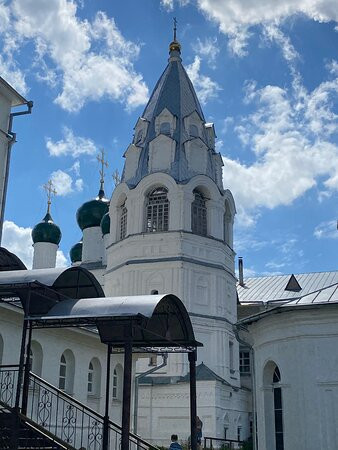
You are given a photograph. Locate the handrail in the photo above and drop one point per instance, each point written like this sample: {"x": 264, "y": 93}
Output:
{"x": 7, "y": 366}
{"x": 231, "y": 442}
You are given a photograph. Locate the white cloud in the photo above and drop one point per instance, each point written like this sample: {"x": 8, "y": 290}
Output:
{"x": 18, "y": 240}
{"x": 206, "y": 88}
{"x": 169, "y": 4}
{"x": 64, "y": 183}
{"x": 13, "y": 75}
{"x": 289, "y": 135}
{"x": 326, "y": 230}
{"x": 70, "y": 145}
{"x": 207, "y": 49}
{"x": 236, "y": 17}
{"x": 227, "y": 122}
{"x": 88, "y": 60}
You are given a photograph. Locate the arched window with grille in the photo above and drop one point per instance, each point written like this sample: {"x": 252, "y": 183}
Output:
{"x": 199, "y": 214}
{"x": 1, "y": 348}
{"x": 63, "y": 373}
{"x": 117, "y": 383}
{"x": 123, "y": 221}
{"x": 35, "y": 358}
{"x": 94, "y": 378}
{"x": 278, "y": 409}
{"x": 157, "y": 210}
{"x": 66, "y": 371}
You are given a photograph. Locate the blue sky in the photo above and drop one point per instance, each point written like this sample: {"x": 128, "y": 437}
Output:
{"x": 266, "y": 74}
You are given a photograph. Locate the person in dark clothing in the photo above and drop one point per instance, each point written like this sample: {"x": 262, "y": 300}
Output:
{"x": 174, "y": 444}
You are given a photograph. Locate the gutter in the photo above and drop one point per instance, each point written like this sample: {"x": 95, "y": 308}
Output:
{"x": 236, "y": 329}
{"x": 138, "y": 378}
{"x": 11, "y": 140}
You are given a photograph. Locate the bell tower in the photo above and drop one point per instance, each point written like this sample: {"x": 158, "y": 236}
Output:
{"x": 171, "y": 220}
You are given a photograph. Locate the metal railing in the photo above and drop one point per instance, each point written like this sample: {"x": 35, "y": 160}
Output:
{"x": 224, "y": 444}
{"x": 62, "y": 416}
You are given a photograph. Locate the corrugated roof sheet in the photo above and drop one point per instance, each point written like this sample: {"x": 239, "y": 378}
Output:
{"x": 270, "y": 289}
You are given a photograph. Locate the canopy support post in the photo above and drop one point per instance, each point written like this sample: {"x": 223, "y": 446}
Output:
{"x": 27, "y": 370}
{"x": 193, "y": 406}
{"x": 128, "y": 357}
{"x": 105, "y": 439}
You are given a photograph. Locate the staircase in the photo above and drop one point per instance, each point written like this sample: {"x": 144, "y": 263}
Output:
{"x": 51, "y": 419}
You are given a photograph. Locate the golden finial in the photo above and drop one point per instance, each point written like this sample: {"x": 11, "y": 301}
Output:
{"x": 49, "y": 188}
{"x": 175, "y": 45}
{"x": 116, "y": 177}
{"x": 104, "y": 164}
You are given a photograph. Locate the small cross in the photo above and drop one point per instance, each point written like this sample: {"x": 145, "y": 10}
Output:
{"x": 116, "y": 177}
{"x": 104, "y": 164}
{"x": 49, "y": 188}
{"x": 175, "y": 28}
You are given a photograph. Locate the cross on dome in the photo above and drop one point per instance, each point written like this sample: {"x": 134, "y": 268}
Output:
{"x": 50, "y": 190}
{"x": 104, "y": 164}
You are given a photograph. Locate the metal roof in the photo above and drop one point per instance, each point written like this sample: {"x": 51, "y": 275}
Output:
{"x": 9, "y": 261}
{"x": 8, "y": 91}
{"x": 151, "y": 321}
{"x": 175, "y": 92}
{"x": 271, "y": 289}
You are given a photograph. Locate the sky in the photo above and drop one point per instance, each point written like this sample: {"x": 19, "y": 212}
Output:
{"x": 265, "y": 72}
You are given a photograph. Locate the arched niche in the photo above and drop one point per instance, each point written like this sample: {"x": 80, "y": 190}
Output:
{"x": 67, "y": 371}
{"x": 117, "y": 383}
{"x": 36, "y": 357}
{"x": 1, "y": 349}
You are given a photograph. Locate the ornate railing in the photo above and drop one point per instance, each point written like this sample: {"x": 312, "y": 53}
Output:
{"x": 62, "y": 416}
{"x": 225, "y": 444}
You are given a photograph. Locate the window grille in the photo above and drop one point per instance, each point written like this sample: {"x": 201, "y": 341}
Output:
{"x": 123, "y": 221}
{"x": 90, "y": 378}
{"x": 199, "y": 214}
{"x": 157, "y": 213}
{"x": 62, "y": 373}
{"x": 278, "y": 410}
{"x": 115, "y": 385}
{"x": 244, "y": 362}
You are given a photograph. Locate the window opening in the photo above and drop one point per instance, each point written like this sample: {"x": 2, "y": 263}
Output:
{"x": 157, "y": 218}
{"x": 165, "y": 128}
{"x": 62, "y": 373}
{"x": 244, "y": 362}
{"x": 278, "y": 410}
{"x": 193, "y": 130}
{"x": 90, "y": 378}
{"x": 123, "y": 221}
{"x": 231, "y": 356}
{"x": 153, "y": 360}
{"x": 115, "y": 385}
{"x": 199, "y": 214}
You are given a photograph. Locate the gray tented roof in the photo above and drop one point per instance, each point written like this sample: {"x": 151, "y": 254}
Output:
{"x": 175, "y": 92}
{"x": 270, "y": 289}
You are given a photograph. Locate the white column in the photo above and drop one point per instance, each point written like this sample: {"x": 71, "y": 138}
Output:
{"x": 44, "y": 255}
{"x": 93, "y": 249}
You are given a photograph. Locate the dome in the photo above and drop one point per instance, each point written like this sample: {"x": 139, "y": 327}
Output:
{"x": 76, "y": 252}
{"x": 91, "y": 212}
{"x": 105, "y": 224}
{"x": 46, "y": 231}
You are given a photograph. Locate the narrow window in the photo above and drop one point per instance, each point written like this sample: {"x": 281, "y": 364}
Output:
{"x": 231, "y": 356}
{"x": 90, "y": 378}
{"x": 157, "y": 211}
{"x": 115, "y": 385}
{"x": 153, "y": 360}
{"x": 123, "y": 221}
{"x": 239, "y": 433}
{"x": 62, "y": 373}
{"x": 244, "y": 362}
{"x": 278, "y": 410}
{"x": 199, "y": 214}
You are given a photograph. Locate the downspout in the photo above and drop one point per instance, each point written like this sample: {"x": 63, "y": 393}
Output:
{"x": 253, "y": 382}
{"x": 11, "y": 140}
{"x": 142, "y": 375}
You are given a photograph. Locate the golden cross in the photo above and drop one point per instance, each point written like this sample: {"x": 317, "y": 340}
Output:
{"x": 116, "y": 177}
{"x": 104, "y": 164}
{"x": 49, "y": 188}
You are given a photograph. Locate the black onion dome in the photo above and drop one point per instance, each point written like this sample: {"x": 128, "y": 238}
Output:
{"x": 76, "y": 253}
{"x": 46, "y": 231}
{"x": 90, "y": 213}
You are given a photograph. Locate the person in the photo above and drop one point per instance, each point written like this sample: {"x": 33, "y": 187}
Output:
{"x": 174, "y": 444}
{"x": 199, "y": 425}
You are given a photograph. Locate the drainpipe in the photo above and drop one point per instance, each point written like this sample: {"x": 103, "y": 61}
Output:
{"x": 236, "y": 329}
{"x": 142, "y": 375}
{"x": 11, "y": 141}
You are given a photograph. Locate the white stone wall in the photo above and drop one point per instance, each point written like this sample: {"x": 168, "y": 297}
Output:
{"x": 44, "y": 255}
{"x": 5, "y": 109}
{"x": 303, "y": 344}
{"x": 93, "y": 246}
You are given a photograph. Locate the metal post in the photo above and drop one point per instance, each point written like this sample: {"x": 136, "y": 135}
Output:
{"x": 105, "y": 439}
{"x": 193, "y": 407}
{"x": 27, "y": 370}
{"x": 21, "y": 364}
{"x": 128, "y": 356}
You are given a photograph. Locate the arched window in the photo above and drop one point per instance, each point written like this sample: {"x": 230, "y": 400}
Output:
{"x": 165, "y": 128}
{"x": 35, "y": 358}
{"x": 199, "y": 214}
{"x": 278, "y": 410}
{"x": 66, "y": 371}
{"x": 193, "y": 130}
{"x": 157, "y": 212}
{"x": 123, "y": 221}
{"x": 94, "y": 378}
{"x": 117, "y": 383}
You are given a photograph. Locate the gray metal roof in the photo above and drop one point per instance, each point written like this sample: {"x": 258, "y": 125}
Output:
{"x": 270, "y": 289}
{"x": 175, "y": 92}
